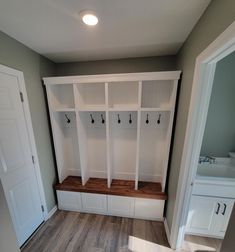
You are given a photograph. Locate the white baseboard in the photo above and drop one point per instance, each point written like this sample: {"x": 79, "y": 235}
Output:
{"x": 50, "y": 214}
{"x": 168, "y": 234}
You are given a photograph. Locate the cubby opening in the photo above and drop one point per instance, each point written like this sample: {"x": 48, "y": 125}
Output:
{"x": 91, "y": 96}
{"x": 67, "y": 148}
{"x": 93, "y": 141}
{"x": 123, "y": 95}
{"x": 62, "y": 97}
{"x": 123, "y": 143}
{"x": 153, "y": 146}
{"x": 157, "y": 94}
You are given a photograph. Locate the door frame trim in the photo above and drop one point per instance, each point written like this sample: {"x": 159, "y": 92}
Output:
{"x": 32, "y": 143}
{"x": 198, "y": 109}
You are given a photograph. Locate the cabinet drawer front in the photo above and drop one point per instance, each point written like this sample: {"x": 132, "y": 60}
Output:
{"x": 121, "y": 206}
{"x": 149, "y": 209}
{"x": 204, "y": 188}
{"x": 69, "y": 200}
{"x": 94, "y": 203}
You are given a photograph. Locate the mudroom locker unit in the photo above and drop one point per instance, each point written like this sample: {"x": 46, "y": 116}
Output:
{"x": 112, "y": 136}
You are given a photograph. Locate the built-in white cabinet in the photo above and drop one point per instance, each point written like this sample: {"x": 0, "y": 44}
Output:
{"x": 113, "y": 127}
{"x": 209, "y": 216}
{"x": 132, "y": 207}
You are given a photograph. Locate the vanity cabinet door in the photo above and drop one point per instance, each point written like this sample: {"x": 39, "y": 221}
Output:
{"x": 201, "y": 215}
{"x": 224, "y": 216}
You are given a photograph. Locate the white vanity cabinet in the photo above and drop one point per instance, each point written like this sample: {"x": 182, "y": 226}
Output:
{"x": 209, "y": 216}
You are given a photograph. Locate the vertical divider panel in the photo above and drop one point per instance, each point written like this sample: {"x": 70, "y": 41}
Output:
{"x": 108, "y": 153}
{"x": 82, "y": 141}
{"x": 169, "y": 133}
{"x": 56, "y": 141}
{"x": 138, "y": 135}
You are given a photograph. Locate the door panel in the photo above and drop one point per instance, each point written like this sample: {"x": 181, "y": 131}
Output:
{"x": 201, "y": 215}
{"x": 71, "y": 201}
{"x": 94, "y": 203}
{"x": 121, "y": 206}
{"x": 16, "y": 167}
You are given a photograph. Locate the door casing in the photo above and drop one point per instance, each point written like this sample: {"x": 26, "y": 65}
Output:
{"x": 198, "y": 109}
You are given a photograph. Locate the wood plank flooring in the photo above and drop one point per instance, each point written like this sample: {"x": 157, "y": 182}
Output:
{"x": 81, "y": 232}
{"x": 118, "y": 187}
{"x": 75, "y": 232}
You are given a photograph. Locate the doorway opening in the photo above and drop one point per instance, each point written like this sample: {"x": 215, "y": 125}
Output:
{"x": 204, "y": 74}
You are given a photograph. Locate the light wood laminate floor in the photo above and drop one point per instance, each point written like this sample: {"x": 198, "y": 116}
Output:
{"x": 80, "y": 232}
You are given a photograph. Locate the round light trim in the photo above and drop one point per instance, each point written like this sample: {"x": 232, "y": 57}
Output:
{"x": 89, "y": 18}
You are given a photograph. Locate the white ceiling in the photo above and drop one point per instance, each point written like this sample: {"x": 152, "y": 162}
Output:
{"x": 126, "y": 28}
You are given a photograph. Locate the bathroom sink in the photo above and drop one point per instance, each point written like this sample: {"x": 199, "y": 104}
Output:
{"x": 216, "y": 170}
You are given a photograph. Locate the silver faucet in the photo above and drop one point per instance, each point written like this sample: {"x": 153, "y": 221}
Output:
{"x": 207, "y": 159}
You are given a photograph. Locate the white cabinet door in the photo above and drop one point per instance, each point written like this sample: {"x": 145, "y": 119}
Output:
{"x": 94, "y": 203}
{"x": 226, "y": 207}
{"x": 121, "y": 206}
{"x": 201, "y": 215}
{"x": 17, "y": 171}
{"x": 149, "y": 209}
{"x": 71, "y": 201}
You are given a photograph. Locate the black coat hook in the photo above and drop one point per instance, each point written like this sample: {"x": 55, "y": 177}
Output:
{"x": 92, "y": 119}
{"x": 159, "y": 119}
{"x": 130, "y": 120}
{"x": 147, "y": 119}
{"x": 119, "y": 120}
{"x": 102, "y": 119}
{"x": 67, "y": 118}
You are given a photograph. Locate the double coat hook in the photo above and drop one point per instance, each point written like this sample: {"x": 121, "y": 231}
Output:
{"x": 93, "y": 120}
{"x": 158, "y": 120}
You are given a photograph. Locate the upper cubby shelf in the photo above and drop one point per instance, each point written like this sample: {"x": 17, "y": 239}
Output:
{"x": 123, "y": 96}
{"x": 62, "y": 98}
{"x": 90, "y": 96}
{"x": 156, "y": 95}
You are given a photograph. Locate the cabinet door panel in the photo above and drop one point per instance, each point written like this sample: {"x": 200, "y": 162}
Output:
{"x": 201, "y": 215}
{"x": 149, "y": 209}
{"x": 69, "y": 200}
{"x": 121, "y": 206}
{"x": 94, "y": 203}
{"x": 224, "y": 216}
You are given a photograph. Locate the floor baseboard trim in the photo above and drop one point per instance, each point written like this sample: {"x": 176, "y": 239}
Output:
{"x": 50, "y": 214}
{"x": 168, "y": 234}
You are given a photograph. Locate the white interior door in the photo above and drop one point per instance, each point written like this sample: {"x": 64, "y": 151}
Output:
{"x": 17, "y": 171}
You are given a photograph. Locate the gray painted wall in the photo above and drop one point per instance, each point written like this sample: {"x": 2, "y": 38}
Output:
{"x": 145, "y": 64}
{"x": 8, "y": 240}
{"x": 219, "y": 135}
{"x": 34, "y": 66}
{"x": 217, "y": 17}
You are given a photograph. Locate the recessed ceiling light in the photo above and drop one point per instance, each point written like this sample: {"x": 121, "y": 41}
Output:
{"x": 89, "y": 18}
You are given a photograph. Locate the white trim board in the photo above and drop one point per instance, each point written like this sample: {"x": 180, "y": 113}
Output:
{"x": 166, "y": 75}
{"x": 25, "y": 104}
{"x": 199, "y": 104}
{"x": 167, "y": 231}
{"x": 51, "y": 213}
